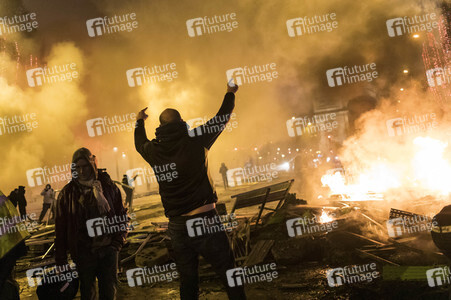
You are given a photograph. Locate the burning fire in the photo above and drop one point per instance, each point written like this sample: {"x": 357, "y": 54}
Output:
{"x": 369, "y": 187}
{"x": 431, "y": 170}
{"x": 325, "y": 218}
{"x": 426, "y": 171}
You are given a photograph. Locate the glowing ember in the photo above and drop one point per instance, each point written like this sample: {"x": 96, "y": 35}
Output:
{"x": 325, "y": 218}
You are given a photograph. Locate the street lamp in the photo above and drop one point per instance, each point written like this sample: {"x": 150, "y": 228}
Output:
{"x": 117, "y": 163}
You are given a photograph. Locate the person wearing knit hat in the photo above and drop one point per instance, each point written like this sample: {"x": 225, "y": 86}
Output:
{"x": 83, "y": 205}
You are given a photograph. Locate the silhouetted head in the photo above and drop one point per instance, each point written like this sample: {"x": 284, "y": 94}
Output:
{"x": 170, "y": 115}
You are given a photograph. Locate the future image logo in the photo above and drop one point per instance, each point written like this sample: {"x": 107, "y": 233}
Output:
{"x": 351, "y": 74}
{"x": 43, "y": 175}
{"x": 151, "y": 275}
{"x": 151, "y": 74}
{"x": 438, "y": 276}
{"x": 109, "y": 225}
{"x": 209, "y": 25}
{"x": 352, "y": 274}
{"x": 235, "y": 176}
{"x": 395, "y": 227}
{"x": 110, "y": 125}
{"x": 239, "y": 176}
{"x": 305, "y": 225}
{"x": 247, "y": 275}
{"x": 195, "y": 227}
{"x": 35, "y": 77}
{"x": 209, "y": 225}
{"x": 17, "y": 124}
{"x": 310, "y": 25}
{"x": 412, "y": 124}
{"x": 54, "y": 74}
{"x": 200, "y": 126}
{"x": 146, "y": 175}
{"x": 252, "y": 74}
{"x": 409, "y": 25}
{"x": 194, "y": 127}
{"x": 408, "y": 225}
{"x": 18, "y": 23}
{"x": 109, "y": 25}
{"x": 312, "y": 124}
{"x": 51, "y": 274}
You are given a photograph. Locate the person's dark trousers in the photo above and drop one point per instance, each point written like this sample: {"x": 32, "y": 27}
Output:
{"x": 45, "y": 208}
{"x": 101, "y": 264}
{"x": 226, "y": 183}
{"x": 128, "y": 196}
{"x": 23, "y": 211}
{"x": 215, "y": 248}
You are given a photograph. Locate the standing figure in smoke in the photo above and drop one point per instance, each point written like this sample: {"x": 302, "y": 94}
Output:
{"x": 13, "y": 197}
{"x": 49, "y": 197}
{"x": 22, "y": 202}
{"x": 128, "y": 189}
{"x": 90, "y": 196}
{"x": 190, "y": 195}
{"x": 223, "y": 170}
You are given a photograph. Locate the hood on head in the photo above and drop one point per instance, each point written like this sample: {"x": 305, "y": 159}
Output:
{"x": 83, "y": 153}
{"x": 171, "y": 132}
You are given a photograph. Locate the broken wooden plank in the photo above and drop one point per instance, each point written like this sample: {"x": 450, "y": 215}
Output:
{"x": 47, "y": 252}
{"x": 138, "y": 250}
{"x": 35, "y": 236}
{"x": 295, "y": 286}
{"x": 381, "y": 249}
{"x": 259, "y": 252}
{"x": 365, "y": 238}
{"x": 378, "y": 258}
{"x": 384, "y": 228}
{"x": 160, "y": 224}
{"x": 38, "y": 242}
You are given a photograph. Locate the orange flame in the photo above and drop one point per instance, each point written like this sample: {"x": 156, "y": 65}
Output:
{"x": 325, "y": 218}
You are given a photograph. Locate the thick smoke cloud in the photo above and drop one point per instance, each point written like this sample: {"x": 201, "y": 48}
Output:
{"x": 161, "y": 38}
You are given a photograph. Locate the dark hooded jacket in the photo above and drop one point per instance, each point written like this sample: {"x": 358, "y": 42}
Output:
{"x": 21, "y": 200}
{"x": 70, "y": 222}
{"x": 13, "y": 197}
{"x": 176, "y": 144}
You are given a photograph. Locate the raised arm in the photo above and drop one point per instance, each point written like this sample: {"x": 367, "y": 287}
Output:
{"x": 142, "y": 143}
{"x": 213, "y": 128}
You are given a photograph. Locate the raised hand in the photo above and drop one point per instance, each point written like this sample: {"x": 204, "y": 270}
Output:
{"x": 142, "y": 114}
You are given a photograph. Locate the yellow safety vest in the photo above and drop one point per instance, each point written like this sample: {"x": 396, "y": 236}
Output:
{"x": 12, "y": 229}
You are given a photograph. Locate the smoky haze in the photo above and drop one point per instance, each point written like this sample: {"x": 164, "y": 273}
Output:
{"x": 261, "y": 38}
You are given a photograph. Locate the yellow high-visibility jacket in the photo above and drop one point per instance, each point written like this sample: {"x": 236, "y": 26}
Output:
{"x": 12, "y": 229}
